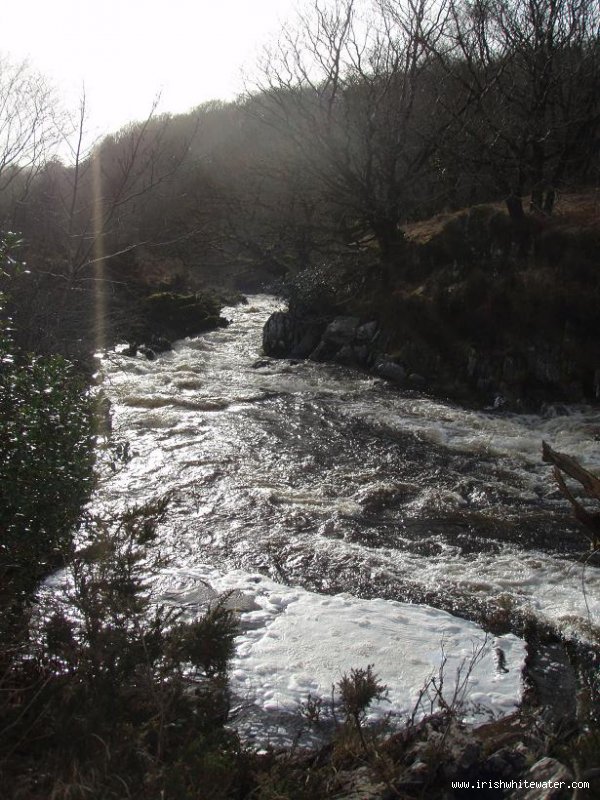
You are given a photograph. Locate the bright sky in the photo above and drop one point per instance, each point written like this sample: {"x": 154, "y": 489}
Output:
{"x": 126, "y": 51}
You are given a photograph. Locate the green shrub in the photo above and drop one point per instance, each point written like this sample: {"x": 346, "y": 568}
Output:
{"x": 47, "y": 455}
{"x": 115, "y": 695}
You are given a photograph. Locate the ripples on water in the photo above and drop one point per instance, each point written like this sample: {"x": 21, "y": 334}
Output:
{"x": 323, "y": 476}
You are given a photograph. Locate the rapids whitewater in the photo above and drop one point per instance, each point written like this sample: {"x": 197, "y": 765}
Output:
{"x": 321, "y": 477}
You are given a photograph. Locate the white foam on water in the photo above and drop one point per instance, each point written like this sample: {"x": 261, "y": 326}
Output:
{"x": 565, "y": 594}
{"x": 518, "y": 436}
{"x": 294, "y": 642}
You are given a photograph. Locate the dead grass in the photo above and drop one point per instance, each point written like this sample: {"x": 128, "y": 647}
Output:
{"x": 424, "y": 231}
{"x": 581, "y": 209}
{"x": 574, "y": 209}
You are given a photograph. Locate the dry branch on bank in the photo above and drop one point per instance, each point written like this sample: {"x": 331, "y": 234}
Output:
{"x": 589, "y": 483}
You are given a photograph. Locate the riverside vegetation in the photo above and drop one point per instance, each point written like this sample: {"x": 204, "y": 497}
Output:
{"x": 360, "y": 177}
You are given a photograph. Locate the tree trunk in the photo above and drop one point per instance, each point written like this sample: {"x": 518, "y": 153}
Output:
{"x": 392, "y": 244}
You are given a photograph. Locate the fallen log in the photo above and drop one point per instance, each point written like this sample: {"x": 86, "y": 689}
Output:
{"x": 590, "y": 484}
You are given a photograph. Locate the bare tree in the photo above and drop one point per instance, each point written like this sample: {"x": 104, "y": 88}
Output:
{"x": 348, "y": 91}
{"x": 30, "y": 131}
{"x": 79, "y": 217}
{"x": 525, "y": 76}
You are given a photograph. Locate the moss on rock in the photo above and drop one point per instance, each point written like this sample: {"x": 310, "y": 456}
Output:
{"x": 178, "y": 315}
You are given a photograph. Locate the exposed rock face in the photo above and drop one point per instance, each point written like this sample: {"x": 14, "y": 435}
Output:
{"x": 391, "y": 371}
{"x": 343, "y": 340}
{"x": 341, "y": 331}
{"x": 528, "y": 374}
{"x": 287, "y": 336}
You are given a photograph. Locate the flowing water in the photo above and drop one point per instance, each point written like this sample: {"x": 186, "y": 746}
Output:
{"x": 324, "y": 477}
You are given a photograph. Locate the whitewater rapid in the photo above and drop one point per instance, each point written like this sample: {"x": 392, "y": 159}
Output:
{"x": 326, "y": 481}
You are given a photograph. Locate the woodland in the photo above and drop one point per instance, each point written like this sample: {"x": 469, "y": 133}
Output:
{"x": 430, "y": 164}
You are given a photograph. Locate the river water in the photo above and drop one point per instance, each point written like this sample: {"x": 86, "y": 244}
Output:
{"x": 323, "y": 477}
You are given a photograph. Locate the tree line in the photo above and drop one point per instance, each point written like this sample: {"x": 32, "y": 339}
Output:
{"x": 360, "y": 118}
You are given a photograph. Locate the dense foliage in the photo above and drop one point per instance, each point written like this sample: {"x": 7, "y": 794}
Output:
{"x": 47, "y": 445}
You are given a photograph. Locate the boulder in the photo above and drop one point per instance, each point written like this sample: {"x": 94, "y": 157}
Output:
{"x": 552, "y": 779}
{"x": 361, "y": 354}
{"x": 280, "y": 334}
{"x": 288, "y": 336}
{"x": 391, "y": 371}
{"x": 172, "y": 316}
{"x": 309, "y": 340}
{"x": 341, "y": 331}
{"x": 366, "y": 333}
{"x": 346, "y": 355}
{"x": 416, "y": 380}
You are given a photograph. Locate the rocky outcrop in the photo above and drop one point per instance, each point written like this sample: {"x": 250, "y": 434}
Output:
{"x": 344, "y": 340}
{"x": 547, "y": 779}
{"x": 524, "y": 375}
{"x": 287, "y": 336}
{"x": 159, "y": 319}
{"x": 175, "y": 316}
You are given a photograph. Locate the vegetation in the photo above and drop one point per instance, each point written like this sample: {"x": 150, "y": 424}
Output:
{"x": 359, "y": 123}
{"x": 46, "y": 470}
{"x": 103, "y": 692}
{"x": 380, "y": 167}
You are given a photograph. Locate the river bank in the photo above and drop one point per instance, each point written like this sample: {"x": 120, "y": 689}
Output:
{"x": 476, "y": 308}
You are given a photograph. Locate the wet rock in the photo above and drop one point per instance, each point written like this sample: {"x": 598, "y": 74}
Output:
{"x": 366, "y": 333}
{"x": 321, "y": 353}
{"x": 552, "y": 410}
{"x": 308, "y": 341}
{"x": 596, "y": 384}
{"x": 504, "y": 763}
{"x": 278, "y": 334}
{"x": 285, "y": 335}
{"x": 374, "y": 500}
{"x": 148, "y": 352}
{"x": 288, "y": 336}
{"x": 336, "y": 341}
{"x": 391, "y": 371}
{"x": 160, "y": 344}
{"x": 341, "y": 331}
{"x": 345, "y": 355}
{"x": 361, "y": 354}
{"x": 553, "y": 779}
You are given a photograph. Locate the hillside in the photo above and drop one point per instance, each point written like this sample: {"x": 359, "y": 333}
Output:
{"x": 480, "y": 306}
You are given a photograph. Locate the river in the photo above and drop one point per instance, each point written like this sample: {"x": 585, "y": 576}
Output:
{"x": 325, "y": 478}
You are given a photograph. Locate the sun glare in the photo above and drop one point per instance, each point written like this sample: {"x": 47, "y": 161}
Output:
{"x": 128, "y": 52}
